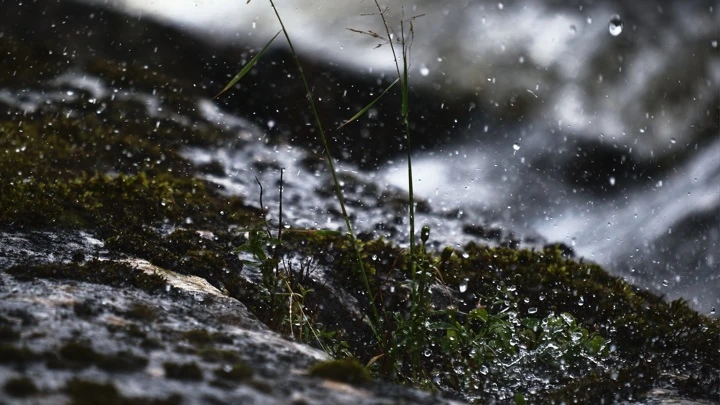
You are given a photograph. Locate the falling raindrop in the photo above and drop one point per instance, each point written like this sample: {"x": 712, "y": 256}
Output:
{"x": 424, "y": 70}
{"x": 615, "y": 26}
{"x": 516, "y": 146}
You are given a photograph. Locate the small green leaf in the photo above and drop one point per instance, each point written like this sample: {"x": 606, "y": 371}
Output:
{"x": 367, "y": 107}
{"x": 478, "y": 314}
{"x": 247, "y": 67}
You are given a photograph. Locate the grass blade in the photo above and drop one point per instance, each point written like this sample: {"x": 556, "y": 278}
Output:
{"x": 367, "y": 107}
{"x": 247, "y": 67}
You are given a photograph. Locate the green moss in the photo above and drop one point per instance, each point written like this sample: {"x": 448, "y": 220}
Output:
{"x": 79, "y": 355}
{"x": 95, "y": 271}
{"x": 240, "y": 371}
{"x": 86, "y": 309}
{"x": 188, "y": 371}
{"x": 141, "y": 312}
{"x": 10, "y": 354}
{"x": 20, "y": 387}
{"x": 83, "y": 392}
{"x": 218, "y": 356}
{"x": 8, "y": 334}
{"x": 122, "y": 362}
{"x": 344, "y": 370}
{"x": 198, "y": 336}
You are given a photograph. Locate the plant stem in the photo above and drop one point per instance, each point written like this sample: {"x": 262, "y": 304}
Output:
{"x": 338, "y": 191}
{"x": 406, "y": 122}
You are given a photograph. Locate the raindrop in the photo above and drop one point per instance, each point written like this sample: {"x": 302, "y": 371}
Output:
{"x": 532, "y": 310}
{"x": 427, "y": 352}
{"x": 714, "y": 43}
{"x": 672, "y": 140}
{"x": 501, "y": 6}
{"x": 573, "y": 29}
{"x": 612, "y": 181}
{"x": 615, "y": 26}
{"x": 463, "y": 286}
{"x": 424, "y": 70}
{"x": 516, "y": 146}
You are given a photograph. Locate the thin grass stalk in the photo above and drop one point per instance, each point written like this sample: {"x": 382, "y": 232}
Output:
{"x": 406, "y": 123}
{"x": 417, "y": 306}
{"x": 338, "y": 191}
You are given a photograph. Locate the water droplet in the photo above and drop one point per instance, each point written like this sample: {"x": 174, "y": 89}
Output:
{"x": 573, "y": 29}
{"x": 424, "y": 70}
{"x": 501, "y": 6}
{"x": 271, "y": 124}
{"x": 463, "y": 286}
{"x": 532, "y": 310}
{"x": 427, "y": 352}
{"x": 516, "y": 146}
{"x": 612, "y": 181}
{"x": 615, "y": 26}
{"x": 672, "y": 140}
{"x": 714, "y": 43}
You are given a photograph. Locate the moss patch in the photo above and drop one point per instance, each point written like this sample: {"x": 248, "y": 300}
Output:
{"x": 187, "y": 371}
{"x": 20, "y": 387}
{"x": 79, "y": 355}
{"x": 86, "y": 392}
{"x": 344, "y": 370}
{"x": 240, "y": 371}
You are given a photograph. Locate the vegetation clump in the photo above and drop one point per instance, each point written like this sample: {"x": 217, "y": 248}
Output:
{"x": 20, "y": 387}
{"x": 343, "y": 370}
{"x": 187, "y": 371}
{"x": 239, "y": 371}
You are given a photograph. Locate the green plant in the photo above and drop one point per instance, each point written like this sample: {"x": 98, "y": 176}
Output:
{"x": 489, "y": 340}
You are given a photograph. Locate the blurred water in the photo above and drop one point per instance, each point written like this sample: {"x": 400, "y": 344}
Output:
{"x": 552, "y": 81}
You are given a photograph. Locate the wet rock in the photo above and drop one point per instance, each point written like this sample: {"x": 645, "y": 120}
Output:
{"x": 66, "y": 355}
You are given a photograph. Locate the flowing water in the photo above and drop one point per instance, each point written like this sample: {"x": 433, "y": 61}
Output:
{"x": 594, "y": 124}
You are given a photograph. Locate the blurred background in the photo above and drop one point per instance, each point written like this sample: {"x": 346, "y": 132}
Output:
{"x": 591, "y": 123}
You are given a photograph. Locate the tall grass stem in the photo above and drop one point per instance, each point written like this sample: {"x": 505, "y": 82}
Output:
{"x": 338, "y": 191}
